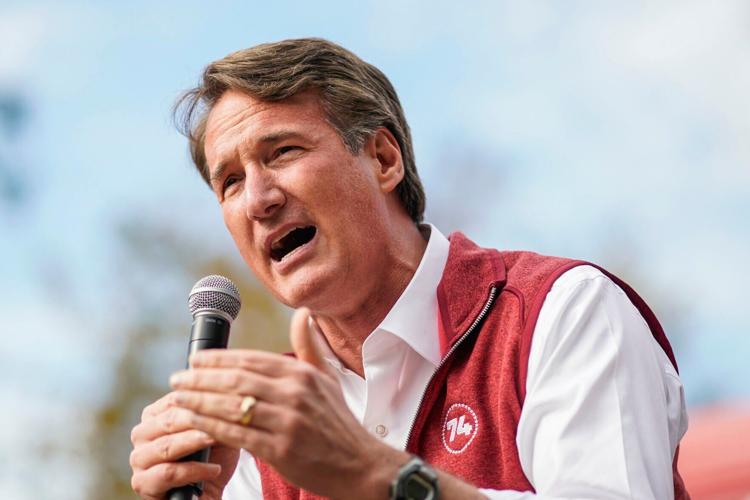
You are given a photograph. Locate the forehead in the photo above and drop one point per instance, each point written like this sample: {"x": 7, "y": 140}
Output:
{"x": 240, "y": 118}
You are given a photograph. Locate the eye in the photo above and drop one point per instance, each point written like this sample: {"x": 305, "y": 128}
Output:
{"x": 230, "y": 181}
{"x": 284, "y": 150}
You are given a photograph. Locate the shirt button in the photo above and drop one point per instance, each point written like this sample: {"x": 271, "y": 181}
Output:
{"x": 381, "y": 430}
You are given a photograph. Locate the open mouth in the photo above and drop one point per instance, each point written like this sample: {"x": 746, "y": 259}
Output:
{"x": 291, "y": 241}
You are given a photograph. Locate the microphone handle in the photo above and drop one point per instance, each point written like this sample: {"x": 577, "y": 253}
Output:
{"x": 209, "y": 331}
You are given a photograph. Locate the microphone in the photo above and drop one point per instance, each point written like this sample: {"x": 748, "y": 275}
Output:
{"x": 214, "y": 303}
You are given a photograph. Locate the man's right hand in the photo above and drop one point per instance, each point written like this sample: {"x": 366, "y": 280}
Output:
{"x": 163, "y": 436}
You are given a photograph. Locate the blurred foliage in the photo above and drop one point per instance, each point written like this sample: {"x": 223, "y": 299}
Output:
{"x": 13, "y": 112}
{"x": 154, "y": 337}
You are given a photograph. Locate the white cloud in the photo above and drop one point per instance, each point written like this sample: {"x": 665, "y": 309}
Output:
{"x": 702, "y": 48}
{"x": 22, "y": 31}
{"x": 646, "y": 103}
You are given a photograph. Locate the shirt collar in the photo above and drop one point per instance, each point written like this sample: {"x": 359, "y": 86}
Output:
{"x": 414, "y": 317}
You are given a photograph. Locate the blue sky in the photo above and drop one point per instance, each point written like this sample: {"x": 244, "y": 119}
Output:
{"x": 603, "y": 128}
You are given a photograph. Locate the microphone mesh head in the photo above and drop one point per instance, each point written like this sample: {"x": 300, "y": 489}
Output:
{"x": 215, "y": 292}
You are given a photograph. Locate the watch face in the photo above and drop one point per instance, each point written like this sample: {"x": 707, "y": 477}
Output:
{"x": 417, "y": 488}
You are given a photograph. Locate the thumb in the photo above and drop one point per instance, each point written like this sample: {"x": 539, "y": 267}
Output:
{"x": 304, "y": 340}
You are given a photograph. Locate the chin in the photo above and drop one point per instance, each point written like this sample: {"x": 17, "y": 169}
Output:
{"x": 307, "y": 288}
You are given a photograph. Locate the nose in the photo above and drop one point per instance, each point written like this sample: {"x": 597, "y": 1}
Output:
{"x": 263, "y": 196}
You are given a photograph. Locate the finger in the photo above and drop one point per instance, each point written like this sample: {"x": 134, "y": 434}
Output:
{"x": 228, "y": 408}
{"x": 257, "y": 441}
{"x": 227, "y": 380}
{"x": 304, "y": 334}
{"x": 158, "y": 406}
{"x": 157, "y": 480}
{"x": 169, "y": 448}
{"x": 266, "y": 363}
{"x": 173, "y": 420}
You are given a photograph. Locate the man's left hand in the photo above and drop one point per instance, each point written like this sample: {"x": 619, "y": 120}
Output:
{"x": 300, "y": 424}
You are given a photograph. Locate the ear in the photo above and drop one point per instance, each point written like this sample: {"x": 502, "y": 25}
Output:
{"x": 383, "y": 147}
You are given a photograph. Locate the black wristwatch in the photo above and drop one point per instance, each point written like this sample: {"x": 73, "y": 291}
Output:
{"x": 415, "y": 481}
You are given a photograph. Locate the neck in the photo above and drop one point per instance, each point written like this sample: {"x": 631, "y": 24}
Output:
{"x": 347, "y": 330}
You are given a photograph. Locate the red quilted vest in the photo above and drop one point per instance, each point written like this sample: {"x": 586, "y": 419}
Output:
{"x": 489, "y": 302}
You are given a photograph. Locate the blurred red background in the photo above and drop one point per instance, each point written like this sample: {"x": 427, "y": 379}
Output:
{"x": 715, "y": 453}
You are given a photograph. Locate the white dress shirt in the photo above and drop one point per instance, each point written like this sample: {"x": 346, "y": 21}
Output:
{"x": 604, "y": 408}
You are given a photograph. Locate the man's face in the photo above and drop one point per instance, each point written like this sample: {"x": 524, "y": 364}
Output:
{"x": 303, "y": 211}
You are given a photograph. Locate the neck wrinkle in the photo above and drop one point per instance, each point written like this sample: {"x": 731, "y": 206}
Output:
{"x": 346, "y": 333}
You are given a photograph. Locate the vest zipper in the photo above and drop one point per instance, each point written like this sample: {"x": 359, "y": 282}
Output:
{"x": 469, "y": 331}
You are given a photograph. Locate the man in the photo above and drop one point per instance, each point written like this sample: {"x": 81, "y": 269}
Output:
{"x": 424, "y": 367}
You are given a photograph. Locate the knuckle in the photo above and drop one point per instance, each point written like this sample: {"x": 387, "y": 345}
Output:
{"x": 292, "y": 422}
{"x": 236, "y": 433}
{"x": 305, "y": 374}
{"x": 245, "y": 362}
{"x": 296, "y": 396}
{"x": 172, "y": 399}
{"x": 165, "y": 448}
{"x": 168, "y": 421}
{"x": 146, "y": 413}
{"x": 200, "y": 436}
{"x": 134, "y": 433}
{"x": 151, "y": 410}
{"x": 135, "y": 484}
{"x": 235, "y": 380}
{"x": 169, "y": 473}
{"x": 197, "y": 401}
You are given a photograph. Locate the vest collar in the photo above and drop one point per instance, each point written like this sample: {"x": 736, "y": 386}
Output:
{"x": 470, "y": 273}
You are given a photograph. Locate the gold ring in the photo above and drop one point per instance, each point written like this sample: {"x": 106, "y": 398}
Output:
{"x": 248, "y": 409}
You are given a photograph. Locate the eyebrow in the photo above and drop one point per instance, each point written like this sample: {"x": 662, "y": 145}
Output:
{"x": 218, "y": 173}
{"x": 266, "y": 139}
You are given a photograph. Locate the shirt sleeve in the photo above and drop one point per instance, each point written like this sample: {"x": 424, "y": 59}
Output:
{"x": 245, "y": 483}
{"x": 604, "y": 408}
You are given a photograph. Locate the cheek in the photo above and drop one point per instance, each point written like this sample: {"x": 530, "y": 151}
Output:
{"x": 344, "y": 191}
{"x": 238, "y": 227}
{"x": 231, "y": 221}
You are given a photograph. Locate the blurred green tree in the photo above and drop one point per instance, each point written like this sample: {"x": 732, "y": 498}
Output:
{"x": 158, "y": 269}
{"x": 13, "y": 113}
